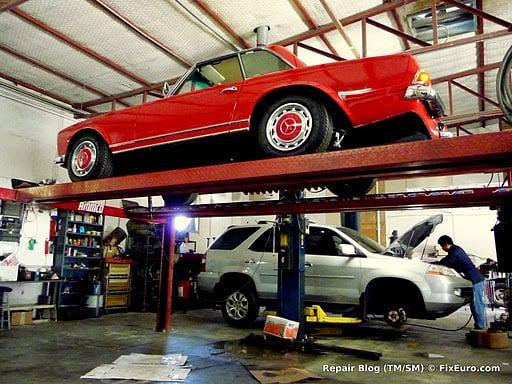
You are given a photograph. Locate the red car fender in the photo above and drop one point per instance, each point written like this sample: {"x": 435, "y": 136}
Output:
{"x": 249, "y": 109}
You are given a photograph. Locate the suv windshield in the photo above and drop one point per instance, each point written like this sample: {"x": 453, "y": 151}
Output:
{"x": 365, "y": 242}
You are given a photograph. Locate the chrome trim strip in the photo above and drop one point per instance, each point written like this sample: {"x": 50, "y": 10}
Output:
{"x": 178, "y": 133}
{"x": 60, "y": 159}
{"x": 179, "y": 140}
{"x": 355, "y": 92}
{"x": 331, "y": 277}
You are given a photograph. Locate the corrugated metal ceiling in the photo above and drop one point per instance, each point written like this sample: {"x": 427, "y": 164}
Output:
{"x": 174, "y": 23}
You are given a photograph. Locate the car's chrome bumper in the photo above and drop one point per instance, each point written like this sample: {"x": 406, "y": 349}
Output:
{"x": 428, "y": 96}
{"x": 60, "y": 160}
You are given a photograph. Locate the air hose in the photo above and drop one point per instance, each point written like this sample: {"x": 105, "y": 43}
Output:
{"x": 504, "y": 86}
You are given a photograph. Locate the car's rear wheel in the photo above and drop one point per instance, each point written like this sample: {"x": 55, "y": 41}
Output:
{"x": 89, "y": 158}
{"x": 240, "y": 307}
{"x": 352, "y": 188}
{"x": 294, "y": 125}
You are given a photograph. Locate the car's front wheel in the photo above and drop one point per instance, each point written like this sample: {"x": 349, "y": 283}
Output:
{"x": 240, "y": 307}
{"x": 89, "y": 158}
{"x": 294, "y": 125}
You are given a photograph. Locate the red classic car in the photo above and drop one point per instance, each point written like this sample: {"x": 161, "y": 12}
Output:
{"x": 260, "y": 102}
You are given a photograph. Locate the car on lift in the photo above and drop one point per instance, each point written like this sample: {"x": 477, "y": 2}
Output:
{"x": 260, "y": 102}
{"x": 345, "y": 271}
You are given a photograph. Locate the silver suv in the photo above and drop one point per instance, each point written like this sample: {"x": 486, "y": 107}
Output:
{"x": 344, "y": 271}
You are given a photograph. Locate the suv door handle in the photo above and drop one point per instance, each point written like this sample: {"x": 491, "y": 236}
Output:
{"x": 229, "y": 89}
{"x": 250, "y": 261}
{"x": 308, "y": 264}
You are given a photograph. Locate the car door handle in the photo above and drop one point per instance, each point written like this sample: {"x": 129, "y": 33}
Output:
{"x": 308, "y": 264}
{"x": 229, "y": 89}
{"x": 250, "y": 261}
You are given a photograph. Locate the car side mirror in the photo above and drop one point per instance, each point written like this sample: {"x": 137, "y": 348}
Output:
{"x": 166, "y": 89}
{"x": 348, "y": 250}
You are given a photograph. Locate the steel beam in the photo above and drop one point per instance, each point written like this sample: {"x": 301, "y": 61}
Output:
{"x": 339, "y": 26}
{"x": 395, "y": 32}
{"x": 53, "y": 71}
{"x": 485, "y": 152}
{"x": 399, "y": 26}
{"x": 7, "y": 5}
{"x": 308, "y": 20}
{"x": 468, "y": 72}
{"x": 221, "y": 23}
{"x": 377, "y": 10}
{"x": 140, "y": 32}
{"x": 480, "y": 13}
{"x": 126, "y": 94}
{"x": 469, "y": 118}
{"x": 320, "y": 52}
{"x": 35, "y": 88}
{"x": 471, "y": 197}
{"x": 481, "y": 97}
{"x": 78, "y": 46}
{"x": 459, "y": 42}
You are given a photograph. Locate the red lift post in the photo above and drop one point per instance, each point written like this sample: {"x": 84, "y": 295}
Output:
{"x": 490, "y": 152}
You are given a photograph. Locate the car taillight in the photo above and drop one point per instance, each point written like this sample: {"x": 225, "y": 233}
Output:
{"x": 435, "y": 269}
{"x": 422, "y": 77}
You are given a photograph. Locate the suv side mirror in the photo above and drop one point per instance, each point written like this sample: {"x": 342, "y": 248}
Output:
{"x": 348, "y": 250}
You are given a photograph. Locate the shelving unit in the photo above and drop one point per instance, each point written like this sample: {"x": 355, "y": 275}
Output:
{"x": 77, "y": 259}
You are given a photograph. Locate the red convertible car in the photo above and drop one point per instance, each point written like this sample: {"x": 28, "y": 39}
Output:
{"x": 260, "y": 102}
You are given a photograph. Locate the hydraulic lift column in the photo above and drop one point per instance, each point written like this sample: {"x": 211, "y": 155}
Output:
{"x": 291, "y": 264}
{"x": 163, "y": 320}
{"x": 502, "y": 234}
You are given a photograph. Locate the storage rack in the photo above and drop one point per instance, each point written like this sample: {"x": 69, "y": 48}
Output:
{"x": 77, "y": 259}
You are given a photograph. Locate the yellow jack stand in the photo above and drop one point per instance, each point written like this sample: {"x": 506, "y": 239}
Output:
{"x": 315, "y": 314}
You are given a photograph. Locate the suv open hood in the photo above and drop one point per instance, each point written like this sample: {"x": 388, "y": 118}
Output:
{"x": 405, "y": 244}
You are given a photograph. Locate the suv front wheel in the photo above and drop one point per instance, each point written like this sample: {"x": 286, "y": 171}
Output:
{"x": 240, "y": 308}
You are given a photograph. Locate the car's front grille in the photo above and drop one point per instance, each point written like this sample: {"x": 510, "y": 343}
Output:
{"x": 466, "y": 292}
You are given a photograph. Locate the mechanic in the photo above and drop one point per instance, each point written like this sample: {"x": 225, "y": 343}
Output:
{"x": 459, "y": 260}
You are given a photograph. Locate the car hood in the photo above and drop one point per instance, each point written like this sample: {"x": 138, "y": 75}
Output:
{"x": 406, "y": 243}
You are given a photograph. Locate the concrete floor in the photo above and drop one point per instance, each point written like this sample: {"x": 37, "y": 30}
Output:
{"x": 62, "y": 352}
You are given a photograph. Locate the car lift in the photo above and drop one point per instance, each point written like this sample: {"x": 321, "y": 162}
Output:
{"x": 490, "y": 152}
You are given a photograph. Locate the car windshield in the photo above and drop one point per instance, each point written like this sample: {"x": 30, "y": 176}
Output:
{"x": 365, "y": 242}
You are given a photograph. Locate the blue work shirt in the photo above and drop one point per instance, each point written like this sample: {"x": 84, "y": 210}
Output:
{"x": 459, "y": 260}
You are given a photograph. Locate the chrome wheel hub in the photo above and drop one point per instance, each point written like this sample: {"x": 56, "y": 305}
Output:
{"x": 83, "y": 158}
{"x": 289, "y": 126}
{"x": 237, "y": 305}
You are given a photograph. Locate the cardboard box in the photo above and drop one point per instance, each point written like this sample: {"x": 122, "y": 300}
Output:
{"x": 21, "y": 318}
{"x": 281, "y": 327}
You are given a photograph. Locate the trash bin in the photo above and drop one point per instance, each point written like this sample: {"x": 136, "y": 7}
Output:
{"x": 94, "y": 300}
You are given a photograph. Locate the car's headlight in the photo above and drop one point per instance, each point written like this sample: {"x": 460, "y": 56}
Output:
{"x": 435, "y": 269}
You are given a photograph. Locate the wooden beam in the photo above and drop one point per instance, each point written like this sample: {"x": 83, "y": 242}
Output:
{"x": 340, "y": 29}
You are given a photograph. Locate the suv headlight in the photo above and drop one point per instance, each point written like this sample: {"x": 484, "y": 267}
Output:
{"x": 435, "y": 269}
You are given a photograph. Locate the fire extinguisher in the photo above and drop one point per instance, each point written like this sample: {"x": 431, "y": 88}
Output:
{"x": 184, "y": 289}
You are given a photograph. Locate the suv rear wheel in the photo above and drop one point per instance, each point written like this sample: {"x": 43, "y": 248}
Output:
{"x": 240, "y": 307}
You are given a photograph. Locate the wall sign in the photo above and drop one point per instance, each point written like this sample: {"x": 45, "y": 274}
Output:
{"x": 91, "y": 206}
